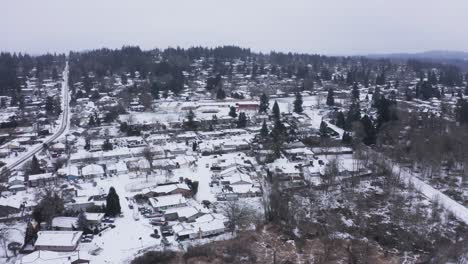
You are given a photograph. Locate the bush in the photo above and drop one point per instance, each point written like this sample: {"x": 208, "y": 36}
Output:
{"x": 200, "y": 251}
{"x": 153, "y": 257}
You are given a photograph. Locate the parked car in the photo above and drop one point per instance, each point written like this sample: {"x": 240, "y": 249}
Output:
{"x": 108, "y": 220}
{"x": 158, "y": 222}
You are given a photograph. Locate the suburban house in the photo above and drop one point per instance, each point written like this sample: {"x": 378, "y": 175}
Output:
{"x": 161, "y": 190}
{"x": 94, "y": 218}
{"x": 203, "y": 226}
{"x": 187, "y": 213}
{"x": 41, "y": 179}
{"x": 92, "y": 171}
{"x": 57, "y": 240}
{"x": 64, "y": 223}
{"x": 52, "y": 257}
{"x": 16, "y": 183}
{"x": 118, "y": 168}
{"x": 168, "y": 201}
{"x": 70, "y": 172}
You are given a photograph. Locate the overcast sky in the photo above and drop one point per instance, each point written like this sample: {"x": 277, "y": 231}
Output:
{"x": 326, "y": 27}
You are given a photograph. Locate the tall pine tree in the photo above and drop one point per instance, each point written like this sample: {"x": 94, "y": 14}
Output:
{"x": 298, "y": 103}
{"x": 330, "y": 97}
{"x": 264, "y": 103}
{"x": 113, "y": 203}
{"x": 276, "y": 111}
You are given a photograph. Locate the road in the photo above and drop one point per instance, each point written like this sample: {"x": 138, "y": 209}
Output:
{"x": 457, "y": 209}
{"x": 64, "y": 123}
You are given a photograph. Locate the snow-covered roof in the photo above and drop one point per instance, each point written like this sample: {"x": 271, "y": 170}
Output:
{"x": 53, "y": 257}
{"x": 186, "y": 211}
{"x": 119, "y": 167}
{"x": 58, "y": 238}
{"x": 68, "y": 171}
{"x": 170, "y": 187}
{"x": 64, "y": 222}
{"x": 167, "y": 200}
{"x": 35, "y": 177}
{"x": 92, "y": 169}
{"x": 95, "y": 217}
{"x": 244, "y": 188}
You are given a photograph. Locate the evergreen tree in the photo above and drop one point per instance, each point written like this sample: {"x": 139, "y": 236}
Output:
{"x": 376, "y": 96}
{"x": 298, "y": 103}
{"x": 278, "y": 137}
{"x": 155, "y": 90}
{"x": 323, "y": 129}
{"x": 92, "y": 120}
{"x": 107, "y": 145}
{"x": 30, "y": 235}
{"x": 214, "y": 120}
{"x": 190, "y": 124}
{"x": 353, "y": 115}
{"x": 194, "y": 146}
{"x": 264, "y": 103}
{"x": 330, "y": 97}
{"x": 340, "y": 120}
{"x": 112, "y": 203}
{"x": 49, "y": 105}
{"x": 276, "y": 111}
{"x": 220, "y": 94}
{"x": 123, "y": 78}
{"x": 462, "y": 111}
{"x": 369, "y": 131}
{"x": 242, "y": 122}
{"x": 355, "y": 92}
{"x": 264, "y": 130}
{"x": 232, "y": 112}
{"x": 384, "y": 112}
{"x": 35, "y": 167}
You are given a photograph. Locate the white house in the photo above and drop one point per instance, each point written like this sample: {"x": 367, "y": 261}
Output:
{"x": 199, "y": 229}
{"x": 92, "y": 171}
{"x": 118, "y": 168}
{"x": 168, "y": 201}
{"x": 41, "y": 179}
{"x": 64, "y": 223}
{"x": 57, "y": 240}
{"x": 52, "y": 257}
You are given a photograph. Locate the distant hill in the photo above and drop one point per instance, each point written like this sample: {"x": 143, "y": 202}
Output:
{"x": 434, "y": 55}
{"x": 457, "y": 58}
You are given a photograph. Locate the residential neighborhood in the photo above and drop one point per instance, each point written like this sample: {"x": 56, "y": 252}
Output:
{"x": 113, "y": 162}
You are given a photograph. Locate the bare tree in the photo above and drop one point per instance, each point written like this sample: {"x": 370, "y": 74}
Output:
{"x": 237, "y": 214}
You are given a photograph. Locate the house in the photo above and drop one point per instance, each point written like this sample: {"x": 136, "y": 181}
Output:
{"x": 94, "y": 218}
{"x": 332, "y": 150}
{"x": 237, "y": 179}
{"x": 118, "y": 168}
{"x": 64, "y": 223}
{"x": 164, "y": 164}
{"x": 70, "y": 172}
{"x": 199, "y": 229}
{"x": 168, "y": 201}
{"x": 246, "y": 190}
{"x": 162, "y": 190}
{"x": 57, "y": 240}
{"x": 58, "y": 147}
{"x": 16, "y": 183}
{"x": 247, "y": 106}
{"x": 52, "y": 257}
{"x": 187, "y": 213}
{"x": 92, "y": 171}
{"x": 41, "y": 179}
